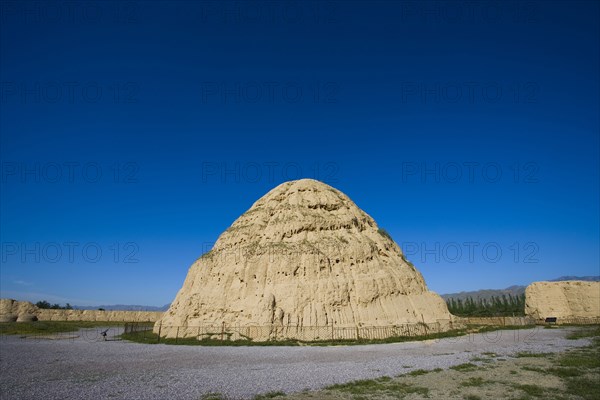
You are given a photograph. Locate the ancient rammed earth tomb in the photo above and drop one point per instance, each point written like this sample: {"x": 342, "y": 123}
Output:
{"x": 304, "y": 255}
{"x": 567, "y": 301}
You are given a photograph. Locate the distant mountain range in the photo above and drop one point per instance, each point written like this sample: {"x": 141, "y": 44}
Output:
{"x": 514, "y": 290}
{"x": 577, "y": 278}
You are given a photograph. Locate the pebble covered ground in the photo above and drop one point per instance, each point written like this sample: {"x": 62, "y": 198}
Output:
{"x": 88, "y": 367}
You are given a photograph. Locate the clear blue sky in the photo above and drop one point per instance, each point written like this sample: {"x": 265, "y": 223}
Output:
{"x": 143, "y": 130}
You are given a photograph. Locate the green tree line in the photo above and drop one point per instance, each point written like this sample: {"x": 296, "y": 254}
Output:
{"x": 45, "y": 304}
{"x": 496, "y": 306}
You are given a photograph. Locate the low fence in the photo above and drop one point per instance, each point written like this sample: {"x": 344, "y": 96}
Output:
{"x": 301, "y": 333}
{"x": 527, "y": 320}
{"x": 499, "y": 321}
{"x": 571, "y": 321}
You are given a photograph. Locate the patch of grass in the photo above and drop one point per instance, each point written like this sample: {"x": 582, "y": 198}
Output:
{"x": 437, "y": 370}
{"x": 579, "y": 369}
{"x": 531, "y": 390}
{"x": 473, "y": 382}
{"x": 585, "y": 333}
{"x": 489, "y": 354}
{"x": 357, "y": 387}
{"x": 472, "y": 397}
{"x": 379, "y": 387}
{"x": 418, "y": 372}
{"x": 584, "y": 387}
{"x": 385, "y": 234}
{"x": 269, "y": 395}
{"x": 49, "y": 327}
{"x": 481, "y": 359}
{"x": 212, "y": 396}
{"x": 534, "y": 369}
{"x": 466, "y": 367}
{"x": 406, "y": 260}
{"x": 564, "y": 372}
{"x": 580, "y": 359}
{"x": 525, "y": 354}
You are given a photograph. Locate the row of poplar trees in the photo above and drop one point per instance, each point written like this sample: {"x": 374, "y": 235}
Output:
{"x": 495, "y": 306}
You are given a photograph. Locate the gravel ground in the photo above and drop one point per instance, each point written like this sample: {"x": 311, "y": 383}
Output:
{"x": 88, "y": 367}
